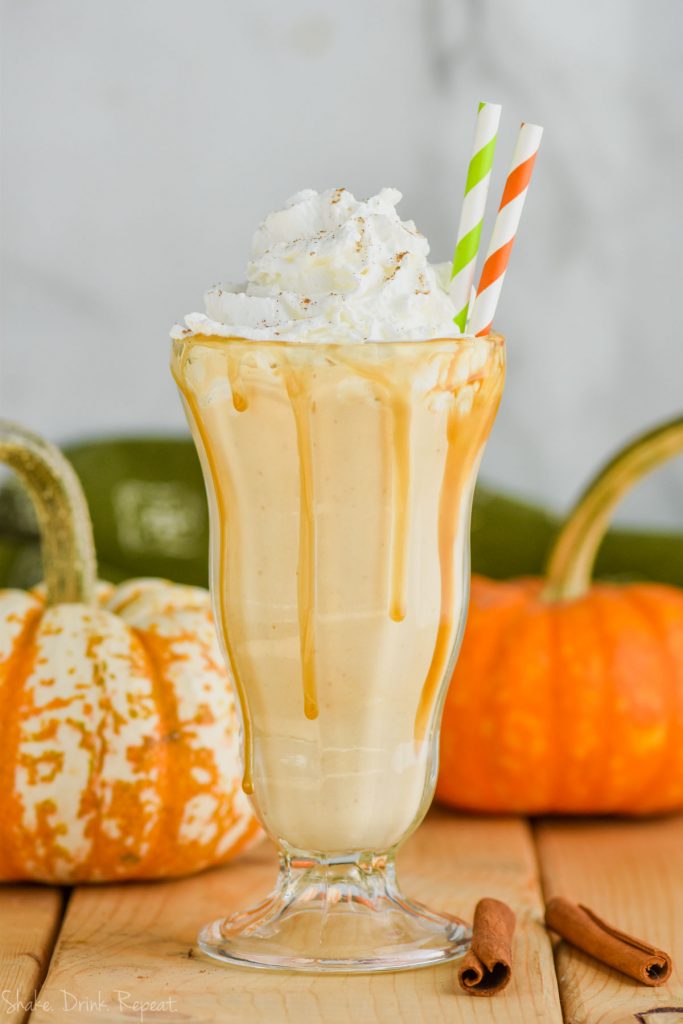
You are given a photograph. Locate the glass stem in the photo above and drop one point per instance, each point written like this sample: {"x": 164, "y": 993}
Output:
{"x": 368, "y": 874}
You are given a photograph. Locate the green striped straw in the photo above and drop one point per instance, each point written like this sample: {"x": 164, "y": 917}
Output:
{"x": 473, "y": 207}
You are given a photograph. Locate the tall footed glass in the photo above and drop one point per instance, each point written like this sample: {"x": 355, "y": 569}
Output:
{"x": 340, "y": 480}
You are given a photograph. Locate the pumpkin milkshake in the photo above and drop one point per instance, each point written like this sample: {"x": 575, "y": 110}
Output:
{"x": 340, "y": 420}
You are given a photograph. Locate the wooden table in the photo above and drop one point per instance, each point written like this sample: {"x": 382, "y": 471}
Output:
{"x": 106, "y": 954}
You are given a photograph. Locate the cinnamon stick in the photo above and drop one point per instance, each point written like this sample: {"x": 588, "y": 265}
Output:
{"x": 486, "y": 969}
{"x": 585, "y": 930}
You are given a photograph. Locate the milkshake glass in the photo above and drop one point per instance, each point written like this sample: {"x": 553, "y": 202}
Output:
{"x": 340, "y": 479}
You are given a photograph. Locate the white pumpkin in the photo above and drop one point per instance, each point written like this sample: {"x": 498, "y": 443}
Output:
{"x": 119, "y": 735}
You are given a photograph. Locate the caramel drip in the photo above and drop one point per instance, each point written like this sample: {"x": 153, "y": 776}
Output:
{"x": 448, "y": 526}
{"x": 239, "y": 399}
{"x": 466, "y": 432}
{"x": 458, "y": 471}
{"x": 221, "y": 501}
{"x": 399, "y": 407}
{"x": 306, "y": 576}
{"x": 400, "y": 527}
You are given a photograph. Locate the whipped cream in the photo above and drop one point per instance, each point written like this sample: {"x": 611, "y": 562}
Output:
{"x": 331, "y": 268}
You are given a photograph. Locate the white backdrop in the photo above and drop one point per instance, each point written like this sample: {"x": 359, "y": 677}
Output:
{"x": 142, "y": 141}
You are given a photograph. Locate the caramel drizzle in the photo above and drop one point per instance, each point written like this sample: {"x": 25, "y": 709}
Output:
{"x": 239, "y": 399}
{"x": 448, "y": 526}
{"x": 209, "y": 460}
{"x": 306, "y": 576}
{"x": 400, "y": 527}
{"x": 400, "y": 411}
{"x": 457, "y": 473}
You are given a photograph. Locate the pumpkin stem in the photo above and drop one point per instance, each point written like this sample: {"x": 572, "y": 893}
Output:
{"x": 570, "y": 566}
{"x": 66, "y": 538}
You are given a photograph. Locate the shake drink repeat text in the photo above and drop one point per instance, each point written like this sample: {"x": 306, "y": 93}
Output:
{"x": 13, "y": 1003}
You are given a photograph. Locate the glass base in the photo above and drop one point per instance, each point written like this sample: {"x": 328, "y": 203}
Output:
{"x": 337, "y": 915}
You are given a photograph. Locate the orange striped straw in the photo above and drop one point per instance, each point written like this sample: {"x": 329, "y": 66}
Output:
{"x": 505, "y": 230}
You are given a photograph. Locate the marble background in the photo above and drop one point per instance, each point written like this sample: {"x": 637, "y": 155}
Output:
{"x": 142, "y": 141}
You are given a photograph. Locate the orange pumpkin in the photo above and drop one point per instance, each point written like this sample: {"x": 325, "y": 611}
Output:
{"x": 568, "y": 696}
{"x": 119, "y": 752}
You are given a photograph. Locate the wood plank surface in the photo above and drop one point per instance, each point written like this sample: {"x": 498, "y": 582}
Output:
{"x": 29, "y": 920}
{"x": 630, "y": 873}
{"x": 139, "y": 940}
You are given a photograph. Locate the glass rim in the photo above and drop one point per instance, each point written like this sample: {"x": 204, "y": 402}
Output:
{"x": 492, "y": 338}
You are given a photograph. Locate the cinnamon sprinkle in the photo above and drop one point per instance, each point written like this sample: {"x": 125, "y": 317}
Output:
{"x": 399, "y": 257}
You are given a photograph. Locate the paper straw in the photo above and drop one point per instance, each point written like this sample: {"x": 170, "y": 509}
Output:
{"x": 472, "y": 215}
{"x": 505, "y": 229}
